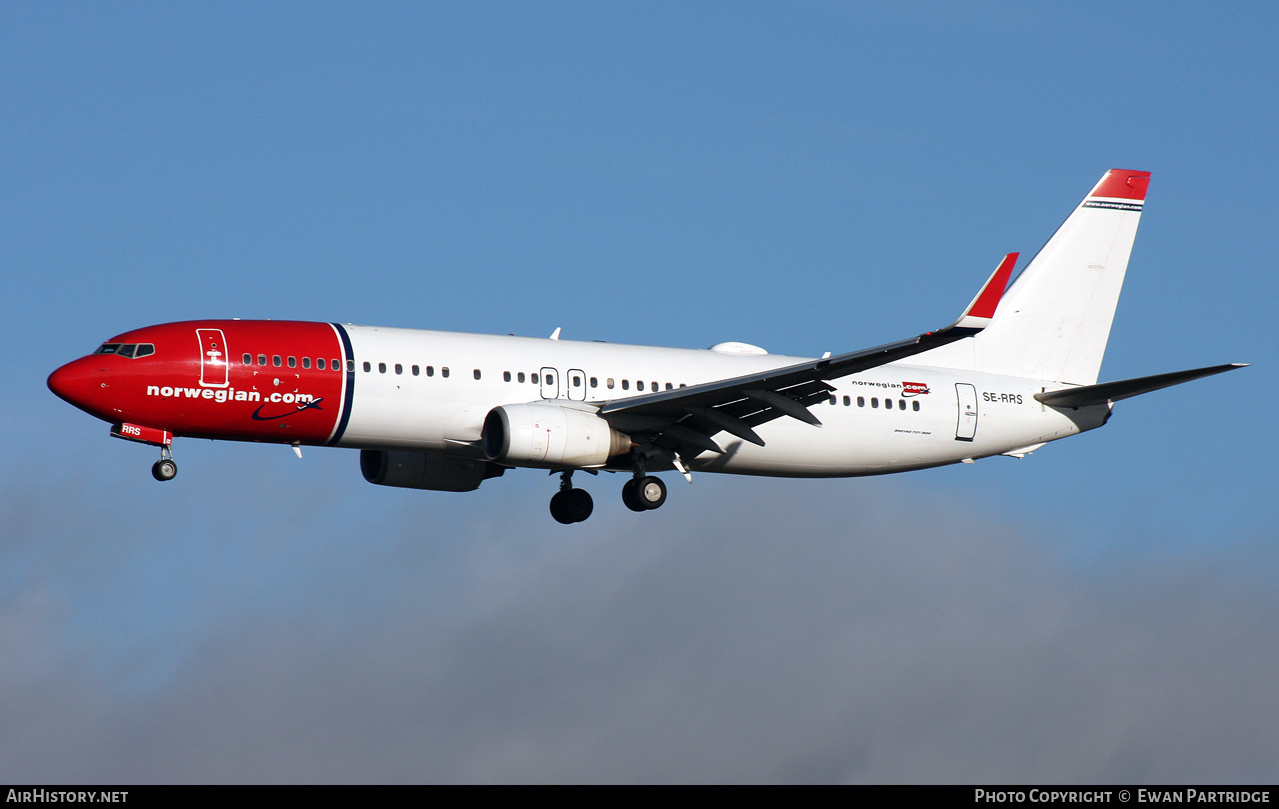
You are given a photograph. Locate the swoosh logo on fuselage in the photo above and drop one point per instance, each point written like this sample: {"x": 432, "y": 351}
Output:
{"x": 315, "y": 404}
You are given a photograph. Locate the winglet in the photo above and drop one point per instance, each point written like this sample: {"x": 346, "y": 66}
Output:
{"x": 980, "y": 312}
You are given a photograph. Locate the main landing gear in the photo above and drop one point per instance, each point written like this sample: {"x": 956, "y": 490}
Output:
{"x": 571, "y": 505}
{"x": 641, "y": 493}
{"x": 644, "y": 493}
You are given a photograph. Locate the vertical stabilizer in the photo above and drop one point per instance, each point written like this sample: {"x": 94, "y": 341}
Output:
{"x": 1054, "y": 320}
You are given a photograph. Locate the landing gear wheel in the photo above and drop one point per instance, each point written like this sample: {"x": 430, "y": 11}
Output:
{"x": 651, "y": 492}
{"x": 571, "y": 505}
{"x": 630, "y": 497}
{"x": 164, "y": 469}
{"x": 644, "y": 494}
{"x": 559, "y": 510}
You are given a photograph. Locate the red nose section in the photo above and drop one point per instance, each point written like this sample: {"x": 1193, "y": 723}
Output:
{"x": 75, "y": 383}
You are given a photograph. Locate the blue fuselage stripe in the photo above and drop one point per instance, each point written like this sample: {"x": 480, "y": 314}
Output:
{"x": 349, "y": 399}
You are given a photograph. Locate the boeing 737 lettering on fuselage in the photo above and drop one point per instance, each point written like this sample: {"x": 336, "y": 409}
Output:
{"x": 447, "y": 411}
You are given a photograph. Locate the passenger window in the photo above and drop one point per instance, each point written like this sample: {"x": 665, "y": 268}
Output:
{"x": 847, "y": 401}
{"x": 626, "y": 385}
{"x": 350, "y": 366}
{"x": 506, "y": 376}
{"x": 262, "y": 359}
{"x": 519, "y": 377}
{"x": 914, "y": 406}
{"x": 275, "y": 360}
{"x": 595, "y": 383}
{"x": 367, "y": 367}
{"x": 319, "y": 364}
{"x": 293, "y": 362}
{"x": 399, "y": 369}
{"x": 608, "y": 383}
{"x": 901, "y": 404}
{"x": 832, "y": 400}
{"x": 430, "y": 370}
{"x": 668, "y": 386}
{"x": 577, "y": 382}
{"x": 306, "y": 362}
{"x": 861, "y": 401}
{"x": 477, "y": 373}
{"x": 444, "y": 372}
{"x": 874, "y": 402}
{"x": 550, "y": 379}
{"x": 416, "y": 370}
{"x": 381, "y": 367}
{"x": 248, "y": 359}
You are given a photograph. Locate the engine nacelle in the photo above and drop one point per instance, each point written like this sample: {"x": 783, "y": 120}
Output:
{"x": 425, "y": 470}
{"x": 550, "y": 436}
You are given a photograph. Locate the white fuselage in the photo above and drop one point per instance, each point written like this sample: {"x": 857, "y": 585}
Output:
{"x": 430, "y": 391}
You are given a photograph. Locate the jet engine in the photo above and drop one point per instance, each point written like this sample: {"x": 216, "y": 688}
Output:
{"x": 425, "y": 470}
{"x": 550, "y": 436}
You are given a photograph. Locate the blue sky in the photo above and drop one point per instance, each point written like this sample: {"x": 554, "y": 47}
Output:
{"x": 805, "y": 177}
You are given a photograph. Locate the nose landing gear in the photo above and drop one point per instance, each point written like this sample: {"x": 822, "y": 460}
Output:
{"x": 165, "y": 468}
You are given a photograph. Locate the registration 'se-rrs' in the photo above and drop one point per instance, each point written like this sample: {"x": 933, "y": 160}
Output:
{"x": 447, "y": 411}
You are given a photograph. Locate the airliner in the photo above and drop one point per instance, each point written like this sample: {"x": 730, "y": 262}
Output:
{"x": 447, "y": 411}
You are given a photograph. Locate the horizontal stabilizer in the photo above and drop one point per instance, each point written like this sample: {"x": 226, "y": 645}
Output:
{"x": 1127, "y": 388}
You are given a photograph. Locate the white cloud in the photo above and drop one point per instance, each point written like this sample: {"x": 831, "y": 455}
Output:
{"x": 749, "y": 631}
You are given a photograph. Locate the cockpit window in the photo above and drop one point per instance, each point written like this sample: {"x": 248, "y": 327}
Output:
{"x": 130, "y": 350}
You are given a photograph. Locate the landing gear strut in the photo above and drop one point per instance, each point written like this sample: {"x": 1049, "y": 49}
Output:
{"x": 571, "y": 505}
{"x": 165, "y": 468}
{"x": 644, "y": 493}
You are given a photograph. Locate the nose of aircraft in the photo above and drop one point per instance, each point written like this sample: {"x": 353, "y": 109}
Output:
{"x": 74, "y": 383}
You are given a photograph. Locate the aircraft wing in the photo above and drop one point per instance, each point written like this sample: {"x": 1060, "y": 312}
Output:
{"x": 688, "y": 417}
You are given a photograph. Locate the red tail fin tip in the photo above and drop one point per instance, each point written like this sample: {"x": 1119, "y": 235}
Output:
{"x": 1123, "y": 184}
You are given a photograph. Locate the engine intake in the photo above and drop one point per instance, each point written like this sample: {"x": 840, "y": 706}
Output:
{"x": 425, "y": 470}
{"x": 550, "y": 436}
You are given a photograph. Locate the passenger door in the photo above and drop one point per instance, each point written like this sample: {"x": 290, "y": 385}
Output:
{"x": 966, "y": 395}
{"x": 213, "y": 358}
